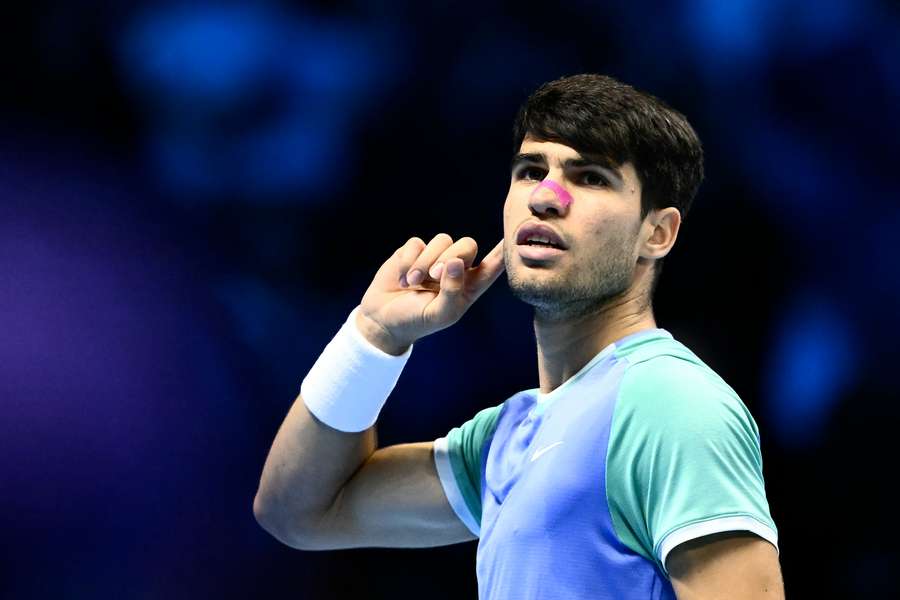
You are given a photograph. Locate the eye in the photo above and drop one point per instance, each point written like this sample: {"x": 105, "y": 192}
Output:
{"x": 530, "y": 174}
{"x": 593, "y": 178}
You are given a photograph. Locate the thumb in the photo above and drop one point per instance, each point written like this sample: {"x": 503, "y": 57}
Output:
{"x": 487, "y": 272}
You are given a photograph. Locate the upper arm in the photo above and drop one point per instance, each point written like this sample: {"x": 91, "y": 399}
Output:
{"x": 413, "y": 495}
{"x": 726, "y": 565}
{"x": 395, "y": 499}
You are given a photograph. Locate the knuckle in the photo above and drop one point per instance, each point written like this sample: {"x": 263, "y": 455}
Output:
{"x": 435, "y": 248}
{"x": 468, "y": 243}
{"x": 410, "y": 250}
{"x": 465, "y": 249}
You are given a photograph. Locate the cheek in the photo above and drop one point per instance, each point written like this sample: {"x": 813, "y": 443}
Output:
{"x": 601, "y": 227}
{"x": 608, "y": 234}
{"x": 508, "y": 213}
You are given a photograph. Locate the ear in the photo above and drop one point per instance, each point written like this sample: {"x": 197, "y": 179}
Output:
{"x": 660, "y": 228}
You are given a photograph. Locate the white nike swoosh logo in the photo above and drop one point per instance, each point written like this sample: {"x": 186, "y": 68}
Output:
{"x": 538, "y": 453}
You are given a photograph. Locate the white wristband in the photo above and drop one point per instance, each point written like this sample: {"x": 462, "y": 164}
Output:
{"x": 351, "y": 380}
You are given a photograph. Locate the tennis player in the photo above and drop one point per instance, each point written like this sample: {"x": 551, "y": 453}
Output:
{"x": 633, "y": 472}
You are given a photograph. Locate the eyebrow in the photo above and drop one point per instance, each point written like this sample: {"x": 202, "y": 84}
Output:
{"x": 538, "y": 158}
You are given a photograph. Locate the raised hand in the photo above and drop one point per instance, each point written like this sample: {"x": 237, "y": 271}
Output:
{"x": 423, "y": 288}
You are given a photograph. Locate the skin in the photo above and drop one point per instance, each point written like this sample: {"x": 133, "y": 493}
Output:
{"x": 736, "y": 564}
{"x": 597, "y": 291}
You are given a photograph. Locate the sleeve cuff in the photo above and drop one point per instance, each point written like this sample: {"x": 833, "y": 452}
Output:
{"x": 451, "y": 489}
{"x": 719, "y": 525}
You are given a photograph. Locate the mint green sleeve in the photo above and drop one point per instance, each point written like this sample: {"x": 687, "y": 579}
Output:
{"x": 684, "y": 460}
{"x": 458, "y": 457}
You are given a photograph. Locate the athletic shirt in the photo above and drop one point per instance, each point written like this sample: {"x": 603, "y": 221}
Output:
{"x": 582, "y": 492}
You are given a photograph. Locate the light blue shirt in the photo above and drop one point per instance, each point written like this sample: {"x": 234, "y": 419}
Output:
{"x": 582, "y": 493}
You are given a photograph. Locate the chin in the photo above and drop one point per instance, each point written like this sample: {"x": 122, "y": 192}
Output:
{"x": 538, "y": 289}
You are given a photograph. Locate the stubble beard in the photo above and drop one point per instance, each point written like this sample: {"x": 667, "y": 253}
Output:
{"x": 577, "y": 291}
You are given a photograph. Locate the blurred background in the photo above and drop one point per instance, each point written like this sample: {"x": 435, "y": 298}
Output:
{"x": 193, "y": 196}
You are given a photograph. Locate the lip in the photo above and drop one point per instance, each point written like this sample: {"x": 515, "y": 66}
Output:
{"x": 539, "y": 252}
{"x": 534, "y": 228}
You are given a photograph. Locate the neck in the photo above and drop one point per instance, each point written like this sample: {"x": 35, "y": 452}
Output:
{"x": 565, "y": 345}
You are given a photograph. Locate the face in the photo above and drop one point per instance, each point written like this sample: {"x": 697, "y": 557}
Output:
{"x": 599, "y": 230}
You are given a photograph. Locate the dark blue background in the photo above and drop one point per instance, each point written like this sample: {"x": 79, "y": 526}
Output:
{"x": 194, "y": 196}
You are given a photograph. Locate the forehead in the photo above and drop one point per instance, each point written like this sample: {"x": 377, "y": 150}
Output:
{"x": 556, "y": 154}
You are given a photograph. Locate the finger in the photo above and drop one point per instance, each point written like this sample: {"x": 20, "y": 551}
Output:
{"x": 418, "y": 271}
{"x": 486, "y": 273}
{"x": 408, "y": 254}
{"x": 450, "y": 303}
{"x": 388, "y": 273}
{"x": 465, "y": 248}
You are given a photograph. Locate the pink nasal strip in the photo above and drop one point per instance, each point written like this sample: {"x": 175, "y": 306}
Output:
{"x": 564, "y": 197}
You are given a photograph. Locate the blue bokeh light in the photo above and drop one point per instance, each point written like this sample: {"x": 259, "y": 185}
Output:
{"x": 249, "y": 102}
{"x": 813, "y": 359}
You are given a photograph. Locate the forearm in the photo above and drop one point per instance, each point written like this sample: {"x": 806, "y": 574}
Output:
{"x": 307, "y": 466}
{"x": 329, "y": 433}
{"x": 311, "y": 459}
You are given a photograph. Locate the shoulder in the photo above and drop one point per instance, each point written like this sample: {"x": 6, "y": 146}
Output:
{"x": 671, "y": 388}
{"x": 472, "y": 436}
{"x": 480, "y": 426}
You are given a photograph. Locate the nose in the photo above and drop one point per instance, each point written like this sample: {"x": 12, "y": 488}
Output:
{"x": 549, "y": 195}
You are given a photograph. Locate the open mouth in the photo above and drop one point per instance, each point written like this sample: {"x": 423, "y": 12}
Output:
{"x": 539, "y": 244}
{"x": 539, "y": 235}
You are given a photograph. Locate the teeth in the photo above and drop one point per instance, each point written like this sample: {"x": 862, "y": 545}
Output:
{"x": 538, "y": 238}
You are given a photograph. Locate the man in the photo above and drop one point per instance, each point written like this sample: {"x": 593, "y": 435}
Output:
{"x": 633, "y": 471}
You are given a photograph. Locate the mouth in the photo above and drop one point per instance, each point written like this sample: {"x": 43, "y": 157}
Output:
{"x": 540, "y": 235}
{"x": 539, "y": 252}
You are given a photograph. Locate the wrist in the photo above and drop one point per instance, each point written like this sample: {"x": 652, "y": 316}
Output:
{"x": 351, "y": 380}
{"x": 378, "y": 336}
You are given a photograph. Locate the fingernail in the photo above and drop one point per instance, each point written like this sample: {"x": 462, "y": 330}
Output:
{"x": 454, "y": 269}
{"x": 415, "y": 277}
{"x": 403, "y": 282}
{"x": 436, "y": 270}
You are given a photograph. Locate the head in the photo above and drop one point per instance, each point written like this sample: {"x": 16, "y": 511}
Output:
{"x": 632, "y": 166}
